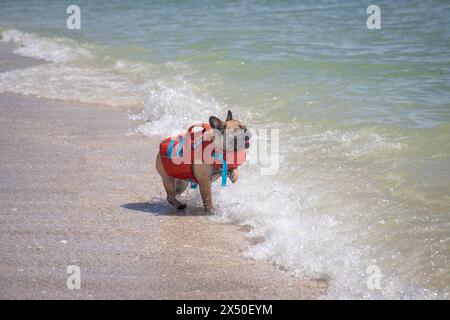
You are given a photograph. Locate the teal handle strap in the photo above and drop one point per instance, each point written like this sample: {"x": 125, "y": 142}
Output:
{"x": 224, "y": 168}
{"x": 224, "y": 173}
{"x": 169, "y": 150}
{"x": 180, "y": 147}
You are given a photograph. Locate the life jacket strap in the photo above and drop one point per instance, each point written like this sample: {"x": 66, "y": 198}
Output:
{"x": 171, "y": 145}
{"x": 180, "y": 147}
{"x": 219, "y": 157}
{"x": 169, "y": 150}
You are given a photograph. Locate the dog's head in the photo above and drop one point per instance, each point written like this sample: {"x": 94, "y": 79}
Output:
{"x": 231, "y": 134}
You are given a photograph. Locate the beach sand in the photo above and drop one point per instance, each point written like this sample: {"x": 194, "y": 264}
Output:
{"x": 78, "y": 188}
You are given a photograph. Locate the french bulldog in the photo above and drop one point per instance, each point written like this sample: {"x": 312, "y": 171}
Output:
{"x": 228, "y": 135}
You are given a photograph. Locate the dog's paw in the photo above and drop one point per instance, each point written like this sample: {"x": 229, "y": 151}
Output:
{"x": 176, "y": 204}
{"x": 234, "y": 175}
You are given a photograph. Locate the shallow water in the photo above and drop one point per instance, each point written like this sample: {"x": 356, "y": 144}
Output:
{"x": 364, "y": 175}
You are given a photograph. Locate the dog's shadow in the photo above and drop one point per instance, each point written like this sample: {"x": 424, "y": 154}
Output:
{"x": 162, "y": 208}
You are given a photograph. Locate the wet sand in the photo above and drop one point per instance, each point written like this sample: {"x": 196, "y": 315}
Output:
{"x": 76, "y": 188}
{"x": 10, "y": 61}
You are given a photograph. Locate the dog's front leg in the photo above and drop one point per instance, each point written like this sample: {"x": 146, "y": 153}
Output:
{"x": 205, "y": 191}
{"x": 203, "y": 174}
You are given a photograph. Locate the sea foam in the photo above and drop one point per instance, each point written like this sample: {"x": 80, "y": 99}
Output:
{"x": 49, "y": 49}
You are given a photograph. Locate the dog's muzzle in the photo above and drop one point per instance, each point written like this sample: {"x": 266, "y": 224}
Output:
{"x": 241, "y": 141}
{"x": 248, "y": 135}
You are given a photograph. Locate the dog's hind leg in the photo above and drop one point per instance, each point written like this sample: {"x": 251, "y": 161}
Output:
{"x": 180, "y": 186}
{"x": 169, "y": 185}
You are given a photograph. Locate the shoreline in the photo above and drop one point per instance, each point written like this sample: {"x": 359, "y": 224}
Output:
{"x": 78, "y": 190}
{"x": 11, "y": 61}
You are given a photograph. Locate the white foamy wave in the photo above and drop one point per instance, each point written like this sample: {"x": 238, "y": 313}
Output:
{"x": 318, "y": 211}
{"x": 79, "y": 74}
{"x": 352, "y": 144}
{"x": 171, "y": 108}
{"x": 76, "y": 83}
{"x": 75, "y": 73}
{"x": 49, "y": 49}
{"x": 306, "y": 228}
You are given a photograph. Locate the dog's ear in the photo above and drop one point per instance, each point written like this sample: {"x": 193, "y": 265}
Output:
{"x": 229, "y": 116}
{"x": 216, "y": 123}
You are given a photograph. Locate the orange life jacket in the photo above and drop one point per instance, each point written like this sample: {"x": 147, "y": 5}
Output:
{"x": 179, "y": 153}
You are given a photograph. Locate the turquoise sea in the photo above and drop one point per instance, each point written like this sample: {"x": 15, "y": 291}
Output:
{"x": 363, "y": 117}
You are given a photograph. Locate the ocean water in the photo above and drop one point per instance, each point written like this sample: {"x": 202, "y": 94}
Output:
{"x": 363, "y": 117}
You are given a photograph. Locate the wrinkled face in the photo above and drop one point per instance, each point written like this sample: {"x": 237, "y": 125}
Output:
{"x": 232, "y": 134}
{"x": 237, "y": 137}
